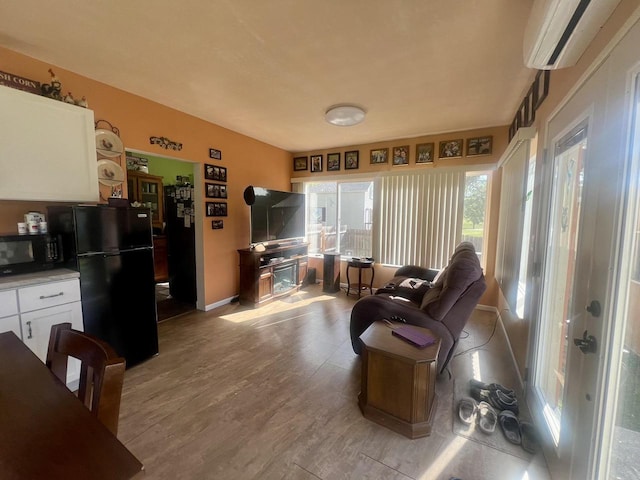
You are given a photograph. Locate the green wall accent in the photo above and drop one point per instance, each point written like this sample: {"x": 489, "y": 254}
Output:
{"x": 168, "y": 168}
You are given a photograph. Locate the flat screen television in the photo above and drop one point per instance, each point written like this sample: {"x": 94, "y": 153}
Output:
{"x": 277, "y": 216}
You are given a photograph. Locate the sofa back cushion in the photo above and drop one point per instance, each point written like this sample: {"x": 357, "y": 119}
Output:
{"x": 463, "y": 269}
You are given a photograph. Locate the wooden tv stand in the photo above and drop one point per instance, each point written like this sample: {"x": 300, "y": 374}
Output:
{"x": 274, "y": 273}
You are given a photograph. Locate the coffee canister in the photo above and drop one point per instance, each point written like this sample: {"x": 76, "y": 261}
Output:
{"x": 33, "y": 227}
{"x": 42, "y": 228}
{"x": 22, "y": 228}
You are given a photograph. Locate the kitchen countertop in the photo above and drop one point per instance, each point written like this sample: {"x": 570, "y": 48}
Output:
{"x": 24, "y": 280}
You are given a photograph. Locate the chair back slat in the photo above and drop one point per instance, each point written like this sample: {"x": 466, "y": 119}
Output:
{"x": 101, "y": 371}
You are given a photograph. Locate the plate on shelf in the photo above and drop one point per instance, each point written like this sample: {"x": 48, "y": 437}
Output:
{"x": 108, "y": 143}
{"x": 110, "y": 173}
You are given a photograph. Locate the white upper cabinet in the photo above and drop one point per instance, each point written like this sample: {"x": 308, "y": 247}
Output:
{"x": 47, "y": 149}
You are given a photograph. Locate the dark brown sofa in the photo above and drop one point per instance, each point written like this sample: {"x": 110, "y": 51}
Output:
{"x": 443, "y": 306}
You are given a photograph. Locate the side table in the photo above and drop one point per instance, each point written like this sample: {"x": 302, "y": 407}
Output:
{"x": 398, "y": 381}
{"x": 360, "y": 264}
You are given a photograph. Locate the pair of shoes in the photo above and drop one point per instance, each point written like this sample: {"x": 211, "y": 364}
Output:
{"x": 519, "y": 433}
{"x": 467, "y": 409}
{"x": 497, "y": 398}
{"x": 487, "y": 418}
{"x": 510, "y": 426}
{"x": 473, "y": 383}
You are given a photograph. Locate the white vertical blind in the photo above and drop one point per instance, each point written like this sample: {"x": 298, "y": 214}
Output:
{"x": 512, "y": 204}
{"x": 418, "y": 219}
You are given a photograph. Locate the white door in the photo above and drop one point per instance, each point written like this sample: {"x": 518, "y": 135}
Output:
{"x": 586, "y": 185}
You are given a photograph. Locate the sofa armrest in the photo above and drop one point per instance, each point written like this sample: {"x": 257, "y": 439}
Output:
{"x": 415, "y": 271}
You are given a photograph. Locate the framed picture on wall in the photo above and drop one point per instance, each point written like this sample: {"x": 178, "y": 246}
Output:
{"x": 216, "y": 209}
{"x": 401, "y": 155}
{"x": 215, "y": 190}
{"x": 451, "y": 149}
{"x": 541, "y": 88}
{"x": 424, "y": 152}
{"x": 351, "y": 160}
{"x": 333, "y": 162}
{"x": 316, "y": 163}
{"x": 300, "y": 163}
{"x": 379, "y": 155}
{"x": 479, "y": 146}
{"x": 217, "y": 224}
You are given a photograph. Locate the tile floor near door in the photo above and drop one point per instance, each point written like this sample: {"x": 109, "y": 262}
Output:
{"x": 271, "y": 393}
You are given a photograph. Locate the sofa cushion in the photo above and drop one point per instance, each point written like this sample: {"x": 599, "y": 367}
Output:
{"x": 463, "y": 269}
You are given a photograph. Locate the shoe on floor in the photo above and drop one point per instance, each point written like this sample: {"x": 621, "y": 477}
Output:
{"x": 496, "y": 399}
{"x": 473, "y": 383}
{"x": 529, "y": 437}
{"x": 467, "y": 409}
{"x": 510, "y": 426}
{"x": 500, "y": 401}
{"x": 487, "y": 418}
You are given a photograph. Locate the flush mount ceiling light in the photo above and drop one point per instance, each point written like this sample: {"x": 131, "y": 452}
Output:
{"x": 344, "y": 115}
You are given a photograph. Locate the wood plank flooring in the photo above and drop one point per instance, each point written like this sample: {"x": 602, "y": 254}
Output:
{"x": 271, "y": 393}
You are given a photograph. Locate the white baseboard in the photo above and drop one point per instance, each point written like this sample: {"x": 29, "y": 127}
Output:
{"x": 224, "y": 301}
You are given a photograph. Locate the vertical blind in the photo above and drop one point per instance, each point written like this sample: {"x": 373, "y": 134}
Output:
{"x": 418, "y": 217}
{"x": 512, "y": 204}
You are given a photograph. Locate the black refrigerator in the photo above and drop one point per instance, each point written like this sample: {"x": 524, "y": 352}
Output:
{"x": 112, "y": 249}
{"x": 181, "y": 240}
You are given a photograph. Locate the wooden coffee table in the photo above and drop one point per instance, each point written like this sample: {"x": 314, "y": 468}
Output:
{"x": 398, "y": 381}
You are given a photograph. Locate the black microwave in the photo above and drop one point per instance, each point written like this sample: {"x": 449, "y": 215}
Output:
{"x": 29, "y": 253}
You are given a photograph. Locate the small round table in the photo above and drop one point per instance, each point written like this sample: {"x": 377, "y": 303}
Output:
{"x": 360, "y": 264}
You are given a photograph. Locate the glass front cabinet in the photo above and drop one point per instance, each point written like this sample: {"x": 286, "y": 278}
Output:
{"x": 148, "y": 190}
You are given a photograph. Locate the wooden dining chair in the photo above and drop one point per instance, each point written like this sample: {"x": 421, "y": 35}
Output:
{"x": 101, "y": 372}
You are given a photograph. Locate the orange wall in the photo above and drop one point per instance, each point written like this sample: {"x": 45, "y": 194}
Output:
{"x": 248, "y": 161}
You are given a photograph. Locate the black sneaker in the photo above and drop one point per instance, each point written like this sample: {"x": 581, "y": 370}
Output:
{"x": 491, "y": 386}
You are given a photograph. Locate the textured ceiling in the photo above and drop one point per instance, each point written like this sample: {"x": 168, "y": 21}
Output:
{"x": 270, "y": 69}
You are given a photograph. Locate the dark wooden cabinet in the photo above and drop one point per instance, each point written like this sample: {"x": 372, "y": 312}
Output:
{"x": 273, "y": 273}
{"x": 148, "y": 190}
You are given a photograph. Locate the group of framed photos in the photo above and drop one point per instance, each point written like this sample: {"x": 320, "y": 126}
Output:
{"x": 215, "y": 173}
{"x": 425, "y": 153}
{"x": 526, "y": 114}
{"x": 351, "y": 162}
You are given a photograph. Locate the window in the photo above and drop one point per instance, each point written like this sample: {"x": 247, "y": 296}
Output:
{"x": 414, "y": 218}
{"x": 516, "y": 199}
{"x": 419, "y": 217}
{"x": 475, "y": 208}
{"x": 339, "y": 217}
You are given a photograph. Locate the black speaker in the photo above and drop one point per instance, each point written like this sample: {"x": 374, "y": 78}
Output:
{"x": 249, "y": 195}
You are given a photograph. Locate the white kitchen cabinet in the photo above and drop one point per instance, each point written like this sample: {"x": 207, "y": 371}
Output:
{"x": 47, "y": 304}
{"x": 36, "y": 326}
{"x": 9, "y": 319}
{"x": 10, "y": 324}
{"x": 47, "y": 149}
{"x": 31, "y": 303}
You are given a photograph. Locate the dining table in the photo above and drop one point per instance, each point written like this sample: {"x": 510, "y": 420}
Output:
{"x": 46, "y": 431}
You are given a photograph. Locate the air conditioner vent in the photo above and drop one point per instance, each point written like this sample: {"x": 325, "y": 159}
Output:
{"x": 559, "y": 31}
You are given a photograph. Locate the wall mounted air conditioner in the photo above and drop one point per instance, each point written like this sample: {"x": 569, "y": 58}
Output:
{"x": 559, "y": 31}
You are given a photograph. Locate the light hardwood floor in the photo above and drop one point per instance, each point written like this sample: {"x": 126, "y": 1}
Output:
{"x": 271, "y": 393}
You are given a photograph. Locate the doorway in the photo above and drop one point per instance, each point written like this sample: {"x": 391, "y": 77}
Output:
{"x": 166, "y": 185}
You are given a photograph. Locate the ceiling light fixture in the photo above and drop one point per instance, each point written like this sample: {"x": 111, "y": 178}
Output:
{"x": 344, "y": 115}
